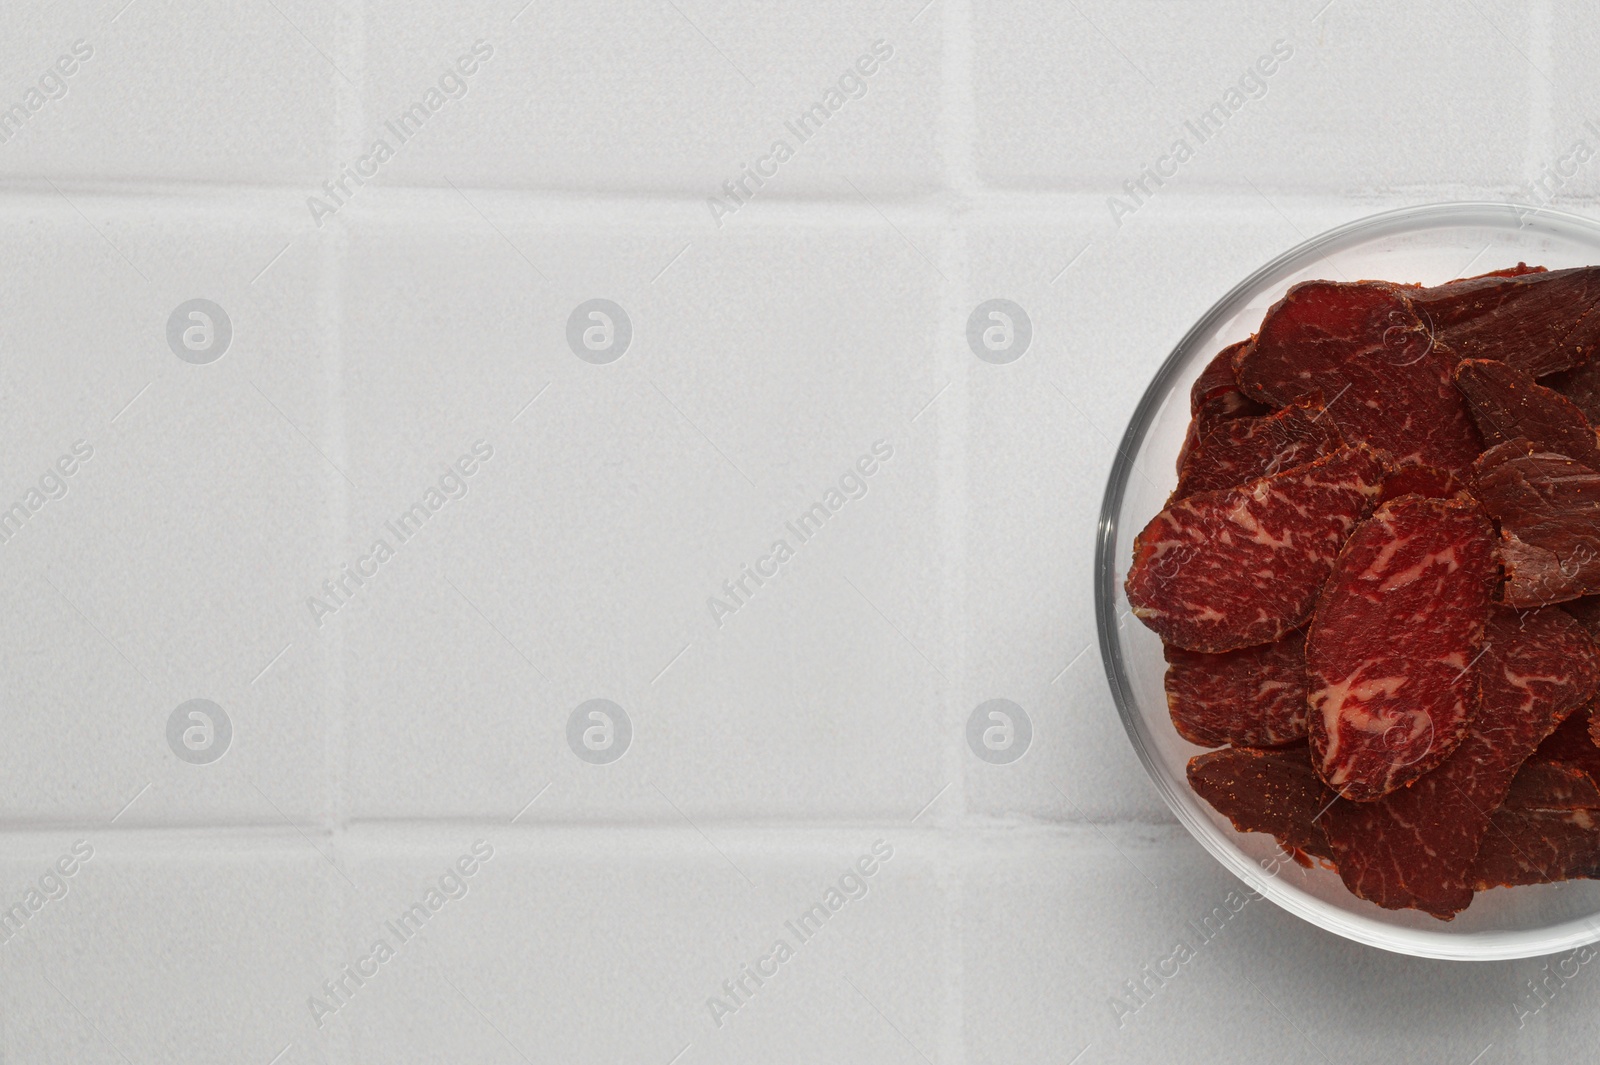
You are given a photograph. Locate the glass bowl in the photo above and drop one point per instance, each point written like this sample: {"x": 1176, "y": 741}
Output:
{"x": 1429, "y": 244}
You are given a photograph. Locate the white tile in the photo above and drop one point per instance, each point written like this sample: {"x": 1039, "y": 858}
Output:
{"x": 592, "y": 948}
{"x": 765, "y": 367}
{"x": 176, "y": 948}
{"x": 175, "y": 565}
{"x": 1329, "y": 116}
{"x": 615, "y": 97}
{"x": 1055, "y": 923}
{"x": 1454, "y": 66}
{"x": 171, "y": 92}
{"x": 1564, "y": 168}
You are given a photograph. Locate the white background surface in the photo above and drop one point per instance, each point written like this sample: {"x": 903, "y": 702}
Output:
{"x": 769, "y": 352}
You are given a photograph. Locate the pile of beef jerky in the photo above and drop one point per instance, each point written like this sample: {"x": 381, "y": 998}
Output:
{"x": 1383, "y": 497}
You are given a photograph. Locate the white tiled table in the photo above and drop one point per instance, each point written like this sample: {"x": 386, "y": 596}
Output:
{"x": 374, "y": 342}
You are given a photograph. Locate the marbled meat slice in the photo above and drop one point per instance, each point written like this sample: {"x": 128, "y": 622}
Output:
{"x": 1538, "y": 847}
{"x": 1539, "y": 322}
{"x": 1272, "y": 791}
{"x": 1414, "y": 848}
{"x": 1572, "y": 744}
{"x": 1217, "y": 390}
{"x": 1508, "y": 404}
{"x": 1252, "y": 697}
{"x": 1360, "y": 349}
{"x": 1547, "y": 786}
{"x": 1215, "y": 398}
{"x": 1420, "y": 480}
{"x": 1392, "y": 643}
{"x": 1240, "y": 566}
{"x": 1548, "y": 507}
{"x": 1242, "y": 449}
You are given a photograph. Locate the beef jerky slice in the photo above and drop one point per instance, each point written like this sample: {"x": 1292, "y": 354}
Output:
{"x": 1215, "y": 398}
{"x": 1242, "y": 449}
{"x": 1535, "y": 837}
{"x": 1240, "y": 566}
{"x": 1217, "y": 391}
{"x": 1538, "y": 847}
{"x": 1422, "y": 481}
{"x": 1591, "y": 764}
{"x": 1414, "y": 848}
{"x": 1545, "y": 787}
{"x": 1392, "y": 643}
{"x": 1508, "y": 404}
{"x": 1582, "y": 386}
{"x": 1538, "y": 322}
{"x": 1548, "y": 507}
{"x": 1265, "y": 791}
{"x": 1362, "y": 350}
{"x": 1252, "y": 697}
{"x": 1587, "y": 610}
{"x": 1572, "y": 744}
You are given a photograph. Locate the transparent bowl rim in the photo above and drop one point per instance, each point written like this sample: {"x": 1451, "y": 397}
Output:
{"x": 1487, "y": 946}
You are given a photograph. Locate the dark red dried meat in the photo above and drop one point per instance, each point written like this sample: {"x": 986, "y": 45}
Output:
{"x": 1242, "y": 449}
{"x": 1582, "y": 386}
{"x": 1587, "y": 610}
{"x": 1547, "y": 786}
{"x": 1215, "y": 398}
{"x": 1508, "y": 404}
{"x": 1360, "y": 349}
{"x": 1538, "y": 847}
{"x": 1420, "y": 480}
{"x": 1538, "y": 322}
{"x": 1392, "y": 641}
{"x": 1572, "y": 744}
{"x": 1414, "y": 848}
{"x": 1252, "y": 697}
{"x": 1548, "y": 507}
{"x": 1217, "y": 389}
{"x": 1240, "y": 566}
{"x": 1265, "y": 791}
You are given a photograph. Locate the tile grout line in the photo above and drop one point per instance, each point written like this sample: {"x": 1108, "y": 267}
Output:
{"x": 943, "y": 848}
{"x": 958, "y": 129}
{"x": 748, "y": 830}
{"x": 967, "y": 189}
{"x": 956, "y": 121}
{"x": 349, "y": 123}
